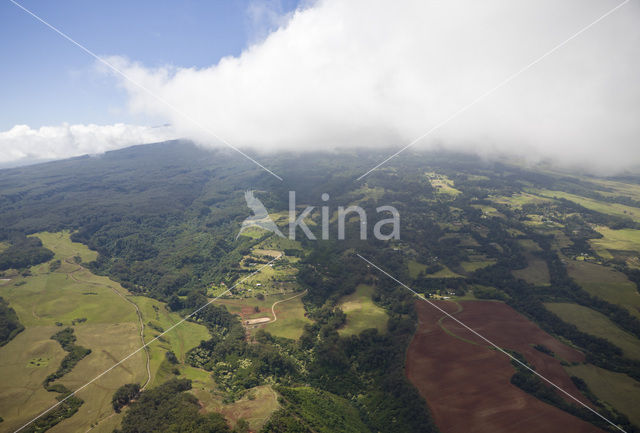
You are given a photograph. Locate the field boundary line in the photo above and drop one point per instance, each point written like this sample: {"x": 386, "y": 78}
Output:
{"x": 497, "y": 87}
{"x": 146, "y": 90}
{"x": 146, "y": 344}
{"x": 513, "y": 358}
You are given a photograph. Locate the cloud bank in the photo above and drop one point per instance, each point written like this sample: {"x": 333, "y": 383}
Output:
{"x": 374, "y": 73}
{"x": 22, "y": 144}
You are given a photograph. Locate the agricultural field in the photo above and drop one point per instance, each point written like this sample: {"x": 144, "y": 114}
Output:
{"x": 445, "y": 364}
{"x": 606, "y": 283}
{"x": 361, "y": 312}
{"x": 614, "y": 389}
{"x": 594, "y": 323}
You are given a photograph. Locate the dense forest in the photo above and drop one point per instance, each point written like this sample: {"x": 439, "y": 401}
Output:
{"x": 10, "y": 326}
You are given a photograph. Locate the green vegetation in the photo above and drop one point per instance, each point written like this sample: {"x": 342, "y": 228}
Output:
{"x": 76, "y": 354}
{"x": 615, "y": 209}
{"x": 606, "y": 283}
{"x": 529, "y": 382}
{"x": 169, "y": 408}
{"x": 615, "y": 240}
{"x": 615, "y": 390}
{"x": 161, "y": 236}
{"x": 70, "y": 295}
{"x": 361, "y": 312}
{"x": 322, "y": 411}
{"x": 124, "y": 395}
{"x": 536, "y": 271}
{"x": 23, "y": 252}
{"x": 10, "y": 326}
{"x": 597, "y": 324}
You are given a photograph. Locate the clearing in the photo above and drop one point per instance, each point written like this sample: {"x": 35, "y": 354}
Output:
{"x": 361, "y": 312}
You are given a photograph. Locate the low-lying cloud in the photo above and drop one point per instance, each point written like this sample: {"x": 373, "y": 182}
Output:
{"x": 378, "y": 73}
{"x": 22, "y": 144}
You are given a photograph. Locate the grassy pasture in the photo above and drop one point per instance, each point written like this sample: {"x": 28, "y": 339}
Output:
{"x": 625, "y": 240}
{"x": 536, "y": 271}
{"x": 415, "y": 268}
{"x": 179, "y": 340}
{"x": 517, "y": 200}
{"x": 606, "y": 283}
{"x": 488, "y": 210}
{"x": 616, "y": 389}
{"x": 361, "y": 312}
{"x": 616, "y": 209}
{"x": 256, "y": 406}
{"x": 290, "y": 313}
{"x": 60, "y": 243}
{"x": 477, "y": 263}
{"x": 594, "y": 323}
{"x": 618, "y": 188}
{"x": 442, "y": 184}
{"x": 111, "y": 331}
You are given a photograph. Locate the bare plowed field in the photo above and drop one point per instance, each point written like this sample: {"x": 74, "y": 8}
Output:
{"x": 467, "y": 384}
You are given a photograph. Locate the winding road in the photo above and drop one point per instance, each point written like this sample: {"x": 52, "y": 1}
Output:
{"x": 139, "y": 314}
{"x": 273, "y": 311}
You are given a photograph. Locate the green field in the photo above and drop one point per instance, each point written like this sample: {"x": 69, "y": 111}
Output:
{"x": 488, "y": 210}
{"x": 474, "y": 265}
{"x": 361, "y": 312}
{"x": 442, "y": 184}
{"x": 616, "y": 389}
{"x": 594, "y": 323}
{"x": 256, "y": 406}
{"x": 616, "y": 240}
{"x": 605, "y": 283}
{"x": 596, "y": 205}
{"x": 60, "y": 243}
{"x": 290, "y": 313}
{"x": 111, "y": 331}
{"x": 536, "y": 271}
{"x": 322, "y": 411}
{"x": 415, "y": 268}
{"x": 517, "y": 200}
{"x": 179, "y": 340}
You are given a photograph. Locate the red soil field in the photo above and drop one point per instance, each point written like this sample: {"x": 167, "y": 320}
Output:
{"x": 467, "y": 385}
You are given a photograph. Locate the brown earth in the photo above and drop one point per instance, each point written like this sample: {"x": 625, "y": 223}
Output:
{"x": 467, "y": 385}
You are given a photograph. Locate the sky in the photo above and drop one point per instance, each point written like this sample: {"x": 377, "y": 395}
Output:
{"x": 276, "y": 75}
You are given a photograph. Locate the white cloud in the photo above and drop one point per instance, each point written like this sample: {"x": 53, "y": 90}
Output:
{"x": 380, "y": 73}
{"x": 24, "y": 144}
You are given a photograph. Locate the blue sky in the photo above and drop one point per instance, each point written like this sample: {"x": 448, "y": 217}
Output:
{"x": 45, "y": 80}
